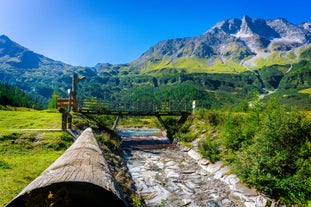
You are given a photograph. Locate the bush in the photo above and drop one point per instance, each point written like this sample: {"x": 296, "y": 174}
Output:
{"x": 185, "y": 137}
{"x": 209, "y": 149}
{"x": 269, "y": 147}
{"x": 232, "y": 135}
{"x": 212, "y": 117}
{"x": 276, "y": 161}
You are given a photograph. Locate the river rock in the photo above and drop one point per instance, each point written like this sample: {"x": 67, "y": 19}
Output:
{"x": 213, "y": 167}
{"x": 172, "y": 177}
{"x": 194, "y": 154}
{"x": 223, "y": 171}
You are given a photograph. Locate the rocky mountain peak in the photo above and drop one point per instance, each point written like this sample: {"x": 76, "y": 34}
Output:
{"x": 289, "y": 32}
{"x": 258, "y": 27}
{"x": 230, "y": 26}
{"x": 4, "y": 38}
{"x": 306, "y": 26}
{"x": 8, "y": 47}
{"x": 279, "y": 29}
{"x": 242, "y": 41}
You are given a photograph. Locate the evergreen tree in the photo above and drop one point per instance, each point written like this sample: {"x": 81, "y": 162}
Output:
{"x": 13, "y": 96}
{"x": 53, "y": 100}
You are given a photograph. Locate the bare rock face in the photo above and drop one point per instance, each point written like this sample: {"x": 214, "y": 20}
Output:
{"x": 235, "y": 39}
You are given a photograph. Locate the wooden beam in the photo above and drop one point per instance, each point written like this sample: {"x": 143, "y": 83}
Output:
{"x": 183, "y": 118}
{"x": 64, "y": 103}
{"x": 115, "y": 123}
{"x": 161, "y": 121}
{"x": 80, "y": 177}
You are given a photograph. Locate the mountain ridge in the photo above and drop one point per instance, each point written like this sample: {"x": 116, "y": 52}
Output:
{"x": 234, "y": 43}
{"x": 32, "y": 72}
{"x": 233, "y": 57}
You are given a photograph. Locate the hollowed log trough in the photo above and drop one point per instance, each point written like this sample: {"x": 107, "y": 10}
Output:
{"x": 80, "y": 177}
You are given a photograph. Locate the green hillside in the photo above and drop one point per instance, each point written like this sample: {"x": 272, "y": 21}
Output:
{"x": 13, "y": 96}
{"x": 195, "y": 65}
{"x": 25, "y": 153}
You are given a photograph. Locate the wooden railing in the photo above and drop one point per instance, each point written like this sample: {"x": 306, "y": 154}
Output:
{"x": 80, "y": 177}
{"x": 135, "y": 107}
{"x": 64, "y": 103}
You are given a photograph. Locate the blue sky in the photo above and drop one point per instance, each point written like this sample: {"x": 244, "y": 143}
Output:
{"x": 87, "y": 32}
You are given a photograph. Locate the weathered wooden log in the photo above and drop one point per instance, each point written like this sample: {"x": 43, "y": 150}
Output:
{"x": 80, "y": 177}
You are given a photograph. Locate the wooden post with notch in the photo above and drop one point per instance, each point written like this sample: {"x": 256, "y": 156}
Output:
{"x": 65, "y": 104}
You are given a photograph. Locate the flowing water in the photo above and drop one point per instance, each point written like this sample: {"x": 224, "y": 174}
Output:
{"x": 166, "y": 175}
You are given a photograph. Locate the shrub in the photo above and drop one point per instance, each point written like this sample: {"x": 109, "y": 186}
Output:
{"x": 209, "y": 149}
{"x": 214, "y": 118}
{"x": 232, "y": 135}
{"x": 185, "y": 137}
{"x": 276, "y": 161}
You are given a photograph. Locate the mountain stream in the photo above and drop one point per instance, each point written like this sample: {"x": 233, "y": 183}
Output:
{"x": 171, "y": 175}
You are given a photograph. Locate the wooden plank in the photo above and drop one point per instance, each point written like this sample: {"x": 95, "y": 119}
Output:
{"x": 64, "y": 103}
{"x": 80, "y": 177}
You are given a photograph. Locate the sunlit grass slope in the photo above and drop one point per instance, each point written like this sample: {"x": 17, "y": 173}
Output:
{"x": 25, "y": 119}
{"x": 306, "y": 91}
{"x": 26, "y": 154}
{"x": 195, "y": 64}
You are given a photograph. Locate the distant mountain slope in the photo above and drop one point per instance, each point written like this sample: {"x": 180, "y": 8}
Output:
{"x": 16, "y": 56}
{"x": 228, "y": 64}
{"x": 33, "y": 72}
{"x": 232, "y": 45}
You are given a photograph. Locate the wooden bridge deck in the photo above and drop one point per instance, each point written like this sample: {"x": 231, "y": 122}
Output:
{"x": 144, "y": 108}
{"x": 134, "y": 108}
{"x": 133, "y": 113}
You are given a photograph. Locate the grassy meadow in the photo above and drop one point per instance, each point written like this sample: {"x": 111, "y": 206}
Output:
{"x": 306, "y": 91}
{"x": 25, "y": 153}
{"x": 22, "y": 118}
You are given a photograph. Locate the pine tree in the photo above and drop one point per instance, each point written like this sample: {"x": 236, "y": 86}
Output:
{"x": 53, "y": 100}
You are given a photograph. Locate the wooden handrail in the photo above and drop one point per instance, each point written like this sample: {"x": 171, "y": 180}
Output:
{"x": 80, "y": 177}
{"x": 64, "y": 102}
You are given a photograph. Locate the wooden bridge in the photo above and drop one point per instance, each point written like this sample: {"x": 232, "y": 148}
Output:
{"x": 134, "y": 108}
{"x": 137, "y": 108}
{"x": 120, "y": 108}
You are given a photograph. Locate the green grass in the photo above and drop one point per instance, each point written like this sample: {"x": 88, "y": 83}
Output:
{"x": 24, "y": 155}
{"x": 280, "y": 58}
{"x": 195, "y": 64}
{"x": 274, "y": 58}
{"x": 215, "y": 65}
{"x": 306, "y": 91}
{"x": 21, "y": 170}
{"x": 16, "y": 120}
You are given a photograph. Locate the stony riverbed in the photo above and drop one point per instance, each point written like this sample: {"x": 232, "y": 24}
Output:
{"x": 171, "y": 175}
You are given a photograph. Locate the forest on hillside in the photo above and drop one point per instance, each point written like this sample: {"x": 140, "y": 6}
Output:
{"x": 13, "y": 96}
{"x": 209, "y": 90}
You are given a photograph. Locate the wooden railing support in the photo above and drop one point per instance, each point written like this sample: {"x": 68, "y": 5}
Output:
{"x": 161, "y": 121}
{"x": 66, "y": 119}
{"x": 115, "y": 123}
{"x": 80, "y": 177}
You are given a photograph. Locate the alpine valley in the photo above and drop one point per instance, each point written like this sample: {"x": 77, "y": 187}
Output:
{"x": 230, "y": 64}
